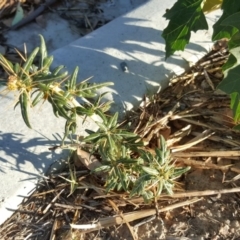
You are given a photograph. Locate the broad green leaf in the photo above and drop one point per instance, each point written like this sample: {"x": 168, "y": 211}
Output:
{"x": 231, "y": 81}
{"x": 185, "y": 16}
{"x": 229, "y": 7}
{"x": 232, "y": 20}
{"x": 230, "y": 62}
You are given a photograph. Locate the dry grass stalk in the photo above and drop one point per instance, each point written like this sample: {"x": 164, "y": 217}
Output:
{"x": 198, "y": 194}
{"x": 211, "y": 153}
{"x": 129, "y": 217}
{"x": 205, "y": 135}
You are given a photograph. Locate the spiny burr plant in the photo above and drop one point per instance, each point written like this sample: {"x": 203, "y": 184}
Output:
{"x": 126, "y": 165}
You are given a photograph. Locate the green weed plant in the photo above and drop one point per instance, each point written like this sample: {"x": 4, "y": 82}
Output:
{"x": 124, "y": 161}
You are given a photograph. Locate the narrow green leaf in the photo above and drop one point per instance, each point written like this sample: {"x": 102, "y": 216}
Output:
{"x": 169, "y": 187}
{"x": 127, "y": 161}
{"x": 150, "y": 171}
{"x": 101, "y": 115}
{"x": 47, "y": 63}
{"x": 29, "y": 61}
{"x": 111, "y": 185}
{"x": 59, "y": 99}
{"x": 43, "y": 51}
{"x": 160, "y": 156}
{"x": 121, "y": 177}
{"x": 112, "y": 121}
{"x": 102, "y": 168}
{"x": 73, "y": 79}
{"x": 70, "y": 128}
{"x": 16, "y": 68}
{"x": 84, "y": 111}
{"x": 50, "y": 78}
{"x": 111, "y": 143}
{"x": 102, "y": 126}
{"x": 7, "y": 65}
{"x": 93, "y": 136}
{"x": 62, "y": 112}
{"x": 56, "y": 70}
{"x": 37, "y": 99}
{"x": 126, "y": 134}
{"x": 96, "y": 86}
{"x": 24, "y": 103}
{"x": 179, "y": 171}
{"x": 19, "y": 15}
{"x": 18, "y": 102}
{"x": 159, "y": 188}
{"x": 139, "y": 185}
{"x": 55, "y": 109}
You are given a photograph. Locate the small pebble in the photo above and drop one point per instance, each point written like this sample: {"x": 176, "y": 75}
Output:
{"x": 124, "y": 66}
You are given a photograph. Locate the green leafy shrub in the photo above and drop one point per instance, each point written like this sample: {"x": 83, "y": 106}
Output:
{"x": 189, "y": 15}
